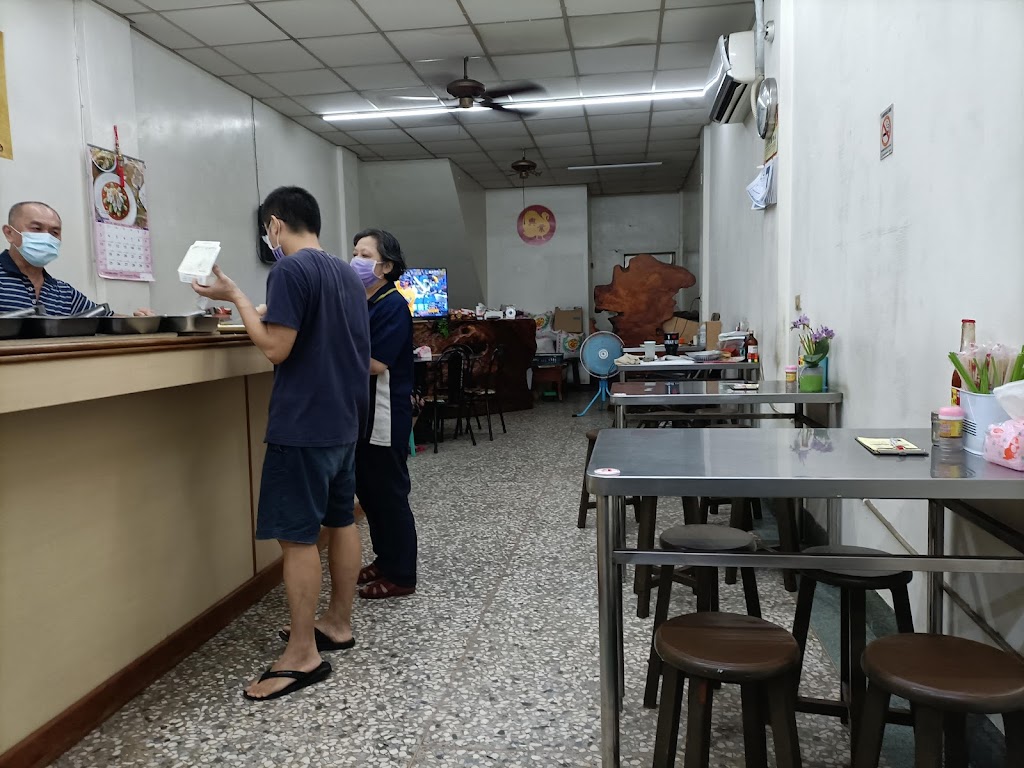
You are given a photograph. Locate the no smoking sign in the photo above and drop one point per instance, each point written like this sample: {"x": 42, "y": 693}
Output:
{"x": 885, "y": 133}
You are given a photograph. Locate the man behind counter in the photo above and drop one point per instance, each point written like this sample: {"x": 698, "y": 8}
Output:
{"x": 33, "y": 232}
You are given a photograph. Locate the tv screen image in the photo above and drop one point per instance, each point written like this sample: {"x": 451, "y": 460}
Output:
{"x": 426, "y": 291}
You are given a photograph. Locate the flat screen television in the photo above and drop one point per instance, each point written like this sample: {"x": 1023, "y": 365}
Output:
{"x": 426, "y": 290}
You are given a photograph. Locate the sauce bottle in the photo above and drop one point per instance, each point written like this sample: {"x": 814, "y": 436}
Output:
{"x": 752, "y": 354}
{"x": 967, "y": 337}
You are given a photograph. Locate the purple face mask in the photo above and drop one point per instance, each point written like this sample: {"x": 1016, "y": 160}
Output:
{"x": 365, "y": 269}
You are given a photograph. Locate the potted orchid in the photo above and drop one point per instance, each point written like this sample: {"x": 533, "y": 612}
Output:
{"x": 815, "y": 344}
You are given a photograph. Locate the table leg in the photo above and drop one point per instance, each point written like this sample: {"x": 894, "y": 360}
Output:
{"x": 833, "y": 415}
{"x": 609, "y": 613}
{"x": 620, "y": 416}
{"x": 936, "y": 548}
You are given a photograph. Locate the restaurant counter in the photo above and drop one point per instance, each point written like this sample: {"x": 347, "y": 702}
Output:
{"x": 128, "y": 470}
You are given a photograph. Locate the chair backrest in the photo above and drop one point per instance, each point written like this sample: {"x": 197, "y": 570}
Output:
{"x": 495, "y": 367}
{"x": 450, "y": 375}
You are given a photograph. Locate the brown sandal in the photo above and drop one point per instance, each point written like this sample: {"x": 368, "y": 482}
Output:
{"x": 383, "y": 588}
{"x": 369, "y": 574}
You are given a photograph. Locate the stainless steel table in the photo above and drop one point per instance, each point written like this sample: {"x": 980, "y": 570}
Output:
{"x": 685, "y": 394}
{"x": 772, "y": 463}
{"x": 692, "y": 369}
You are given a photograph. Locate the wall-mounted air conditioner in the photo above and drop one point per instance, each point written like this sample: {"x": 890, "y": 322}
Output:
{"x": 732, "y": 71}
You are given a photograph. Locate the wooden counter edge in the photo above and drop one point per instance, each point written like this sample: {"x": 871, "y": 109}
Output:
{"x": 53, "y": 739}
{"x": 23, "y": 351}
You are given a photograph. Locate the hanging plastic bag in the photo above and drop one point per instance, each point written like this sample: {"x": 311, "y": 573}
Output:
{"x": 1004, "y": 443}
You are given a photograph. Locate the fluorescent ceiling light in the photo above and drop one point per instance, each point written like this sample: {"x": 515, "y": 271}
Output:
{"x": 611, "y": 165}
{"x": 632, "y": 98}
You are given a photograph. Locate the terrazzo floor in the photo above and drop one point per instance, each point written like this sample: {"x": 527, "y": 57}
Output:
{"x": 492, "y": 663}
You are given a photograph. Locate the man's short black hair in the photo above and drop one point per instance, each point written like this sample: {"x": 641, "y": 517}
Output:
{"x": 295, "y": 207}
{"x": 389, "y": 250}
{"x": 16, "y": 209}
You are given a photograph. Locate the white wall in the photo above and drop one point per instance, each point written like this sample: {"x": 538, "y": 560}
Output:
{"x": 692, "y": 203}
{"x": 199, "y": 137}
{"x": 621, "y": 224}
{"x": 419, "y": 202}
{"x": 538, "y": 277}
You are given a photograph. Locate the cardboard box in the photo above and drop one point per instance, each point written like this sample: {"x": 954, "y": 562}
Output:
{"x": 568, "y": 320}
{"x": 687, "y": 329}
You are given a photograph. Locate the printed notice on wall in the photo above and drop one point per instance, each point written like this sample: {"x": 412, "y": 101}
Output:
{"x": 885, "y": 133}
{"x": 6, "y": 150}
{"x": 120, "y": 216}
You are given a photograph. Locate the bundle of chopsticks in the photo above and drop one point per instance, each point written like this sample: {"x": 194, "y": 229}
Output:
{"x": 985, "y": 367}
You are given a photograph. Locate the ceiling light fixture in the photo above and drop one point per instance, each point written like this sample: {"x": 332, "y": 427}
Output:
{"x": 583, "y": 101}
{"x": 610, "y": 166}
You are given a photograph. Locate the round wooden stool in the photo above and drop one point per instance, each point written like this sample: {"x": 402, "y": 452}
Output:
{"x": 944, "y": 678}
{"x": 704, "y": 580}
{"x": 707, "y": 648}
{"x": 853, "y": 587}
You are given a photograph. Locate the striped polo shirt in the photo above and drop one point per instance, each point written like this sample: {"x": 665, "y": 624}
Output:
{"x": 17, "y": 291}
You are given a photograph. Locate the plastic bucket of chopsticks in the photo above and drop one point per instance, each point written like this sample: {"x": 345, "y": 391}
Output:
{"x": 981, "y": 412}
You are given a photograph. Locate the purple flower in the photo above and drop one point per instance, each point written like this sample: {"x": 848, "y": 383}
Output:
{"x": 822, "y": 333}
{"x": 801, "y": 322}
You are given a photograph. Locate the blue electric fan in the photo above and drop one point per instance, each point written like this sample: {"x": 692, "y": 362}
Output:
{"x": 597, "y": 356}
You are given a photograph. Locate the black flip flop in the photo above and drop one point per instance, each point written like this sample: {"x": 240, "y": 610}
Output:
{"x": 323, "y": 642}
{"x": 302, "y": 680}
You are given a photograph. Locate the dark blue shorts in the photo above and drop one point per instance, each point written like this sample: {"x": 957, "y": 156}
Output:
{"x": 303, "y": 489}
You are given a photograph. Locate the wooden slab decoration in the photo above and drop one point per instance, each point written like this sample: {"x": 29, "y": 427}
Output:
{"x": 644, "y": 296}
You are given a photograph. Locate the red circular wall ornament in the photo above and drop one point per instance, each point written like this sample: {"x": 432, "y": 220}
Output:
{"x": 536, "y": 225}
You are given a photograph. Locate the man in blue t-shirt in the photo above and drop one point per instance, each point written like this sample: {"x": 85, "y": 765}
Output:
{"x": 315, "y": 330}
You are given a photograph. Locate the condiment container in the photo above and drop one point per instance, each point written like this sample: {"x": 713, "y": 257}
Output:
{"x": 649, "y": 349}
{"x": 950, "y": 430}
{"x": 791, "y": 384}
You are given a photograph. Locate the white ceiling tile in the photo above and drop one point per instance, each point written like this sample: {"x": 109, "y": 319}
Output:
{"x": 211, "y": 61}
{"x": 678, "y": 145}
{"x": 286, "y": 106}
{"x": 626, "y": 58}
{"x": 495, "y": 184}
{"x": 536, "y": 65}
{"x": 681, "y": 131}
{"x": 675, "y": 116}
{"x": 623, "y": 134}
{"x": 442, "y": 43}
{"x": 686, "y": 55}
{"x": 619, "y": 157}
{"x": 563, "y": 139}
{"x": 405, "y": 151}
{"x": 226, "y": 25}
{"x": 486, "y": 116}
{"x": 315, "y": 124}
{"x": 524, "y": 36}
{"x": 424, "y": 121}
{"x": 353, "y": 50}
{"x": 305, "y": 82}
{"x": 484, "y": 11}
{"x": 317, "y": 18}
{"x": 460, "y": 146}
{"x": 124, "y": 6}
{"x": 490, "y": 130}
{"x": 172, "y": 5}
{"x": 601, "y": 151}
{"x": 553, "y": 88}
{"x": 402, "y": 98}
{"x": 640, "y": 107}
{"x": 278, "y": 56}
{"x": 402, "y": 14}
{"x": 379, "y": 76}
{"x": 504, "y": 142}
{"x": 335, "y": 102}
{"x": 707, "y": 23}
{"x": 157, "y": 27}
{"x": 616, "y": 122}
{"x": 339, "y": 138}
{"x": 588, "y": 7}
{"x": 560, "y": 125}
{"x": 443, "y": 71}
{"x": 614, "y": 29}
{"x": 252, "y": 85}
{"x": 680, "y": 80}
{"x": 606, "y": 85}
{"x": 375, "y": 137}
{"x": 554, "y": 113}
{"x": 440, "y": 133}
{"x": 364, "y": 152}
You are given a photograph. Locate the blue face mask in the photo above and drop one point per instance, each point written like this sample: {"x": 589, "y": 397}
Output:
{"x": 38, "y": 248}
{"x": 277, "y": 252}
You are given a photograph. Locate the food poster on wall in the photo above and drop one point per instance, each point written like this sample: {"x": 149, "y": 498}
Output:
{"x": 6, "y": 150}
{"x": 536, "y": 225}
{"x": 120, "y": 216}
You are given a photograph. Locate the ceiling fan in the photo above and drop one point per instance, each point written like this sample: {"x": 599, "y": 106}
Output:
{"x": 524, "y": 168}
{"x": 472, "y": 93}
